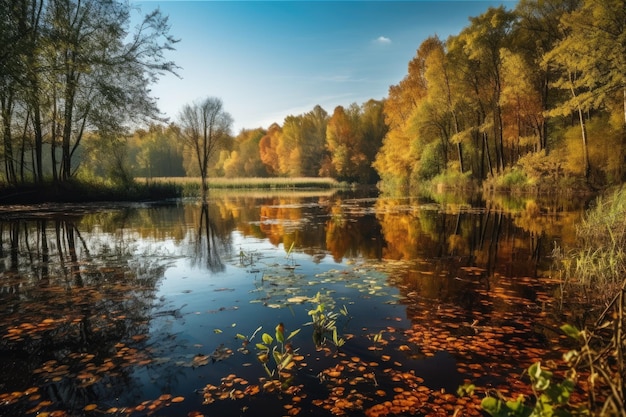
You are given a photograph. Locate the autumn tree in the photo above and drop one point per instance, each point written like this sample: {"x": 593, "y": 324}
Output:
{"x": 314, "y": 128}
{"x": 204, "y": 129}
{"x": 590, "y": 63}
{"x": 393, "y": 162}
{"x": 289, "y": 150}
{"x": 268, "y": 149}
{"x": 353, "y": 136}
{"x": 300, "y": 146}
{"x": 444, "y": 103}
{"x": 244, "y": 160}
{"x": 343, "y": 141}
{"x": 535, "y": 32}
{"x": 483, "y": 40}
{"x": 373, "y": 130}
{"x": 522, "y": 113}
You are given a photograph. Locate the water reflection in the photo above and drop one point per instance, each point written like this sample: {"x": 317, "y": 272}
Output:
{"x": 97, "y": 303}
{"x": 209, "y": 246}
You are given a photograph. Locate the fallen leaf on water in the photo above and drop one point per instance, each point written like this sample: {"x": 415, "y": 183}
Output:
{"x": 200, "y": 360}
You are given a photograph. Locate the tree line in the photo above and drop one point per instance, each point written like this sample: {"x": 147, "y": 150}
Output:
{"x": 531, "y": 95}
{"x": 526, "y": 95}
{"x": 340, "y": 145}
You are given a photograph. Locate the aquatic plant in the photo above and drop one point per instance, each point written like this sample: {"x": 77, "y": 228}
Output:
{"x": 280, "y": 349}
{"x": 551, "y": 397}
{"x": 325, "y": 323}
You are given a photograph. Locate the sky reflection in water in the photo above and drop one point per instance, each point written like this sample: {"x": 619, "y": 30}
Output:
{"x": 136, "y": 297}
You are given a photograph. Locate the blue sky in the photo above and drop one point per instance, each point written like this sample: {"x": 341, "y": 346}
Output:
{"x": 270, "y": 59}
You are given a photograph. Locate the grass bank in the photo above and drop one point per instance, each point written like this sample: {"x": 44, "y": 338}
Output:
{"x": 253, "y": 182}
{"x": 150, "y": 189}
{"x": 190, "y": 186}
{"x": 598, "y": 264}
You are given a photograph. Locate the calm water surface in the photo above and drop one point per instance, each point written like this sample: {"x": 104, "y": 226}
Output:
{"x": 144, "y": 309}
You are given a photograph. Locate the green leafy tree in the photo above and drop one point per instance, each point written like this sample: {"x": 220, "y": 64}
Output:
{"x": 393, "y": 162}
{"x": 104, "y": 71}
{"x": 75, "y": 67}
{"x": 158, "y": 153}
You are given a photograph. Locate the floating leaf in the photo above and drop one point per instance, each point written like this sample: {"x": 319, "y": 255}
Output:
{"x": 200, "y": 360}
{"x": 267, "y": 339}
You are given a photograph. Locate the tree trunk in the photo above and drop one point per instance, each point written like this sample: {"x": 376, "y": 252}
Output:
{"x": 7, "y": 114}
{"x": 583, "y": 129}
{"x": 38, "y": 168}
{"x": 66, "y": 159}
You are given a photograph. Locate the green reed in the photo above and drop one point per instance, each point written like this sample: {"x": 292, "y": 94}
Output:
{"x": 600, "y": 261}
{"x": 250, "y": 183}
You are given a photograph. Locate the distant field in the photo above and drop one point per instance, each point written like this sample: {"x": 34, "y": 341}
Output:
{"x": 250, "y": 183}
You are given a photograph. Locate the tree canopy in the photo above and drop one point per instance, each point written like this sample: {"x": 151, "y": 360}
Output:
{"x": 71, "y": 67}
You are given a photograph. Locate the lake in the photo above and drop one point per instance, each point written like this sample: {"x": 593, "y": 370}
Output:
{"x": 277, "y": 303}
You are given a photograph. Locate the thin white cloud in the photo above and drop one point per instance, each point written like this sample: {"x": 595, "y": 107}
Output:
{"x": 382, "y": 40}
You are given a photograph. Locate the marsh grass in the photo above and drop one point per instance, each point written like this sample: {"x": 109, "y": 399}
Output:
{"x": 599, "y": 263}
{"x": 603, "y": 236}
{"x": 191, "y": 185}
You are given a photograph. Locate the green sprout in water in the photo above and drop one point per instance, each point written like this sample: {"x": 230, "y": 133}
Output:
{"x": 281, "y": 352}
{"x": 325, "y": 324}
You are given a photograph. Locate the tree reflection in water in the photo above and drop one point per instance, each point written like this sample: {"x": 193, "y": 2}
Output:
{"x": 209, "y": 246}
{"x": 73, "y": 318}
{"x": 91, "y": 302}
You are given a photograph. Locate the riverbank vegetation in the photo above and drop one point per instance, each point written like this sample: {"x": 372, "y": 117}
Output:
{"x": 593, "y": 286}
{"x": 249, "y": 182}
